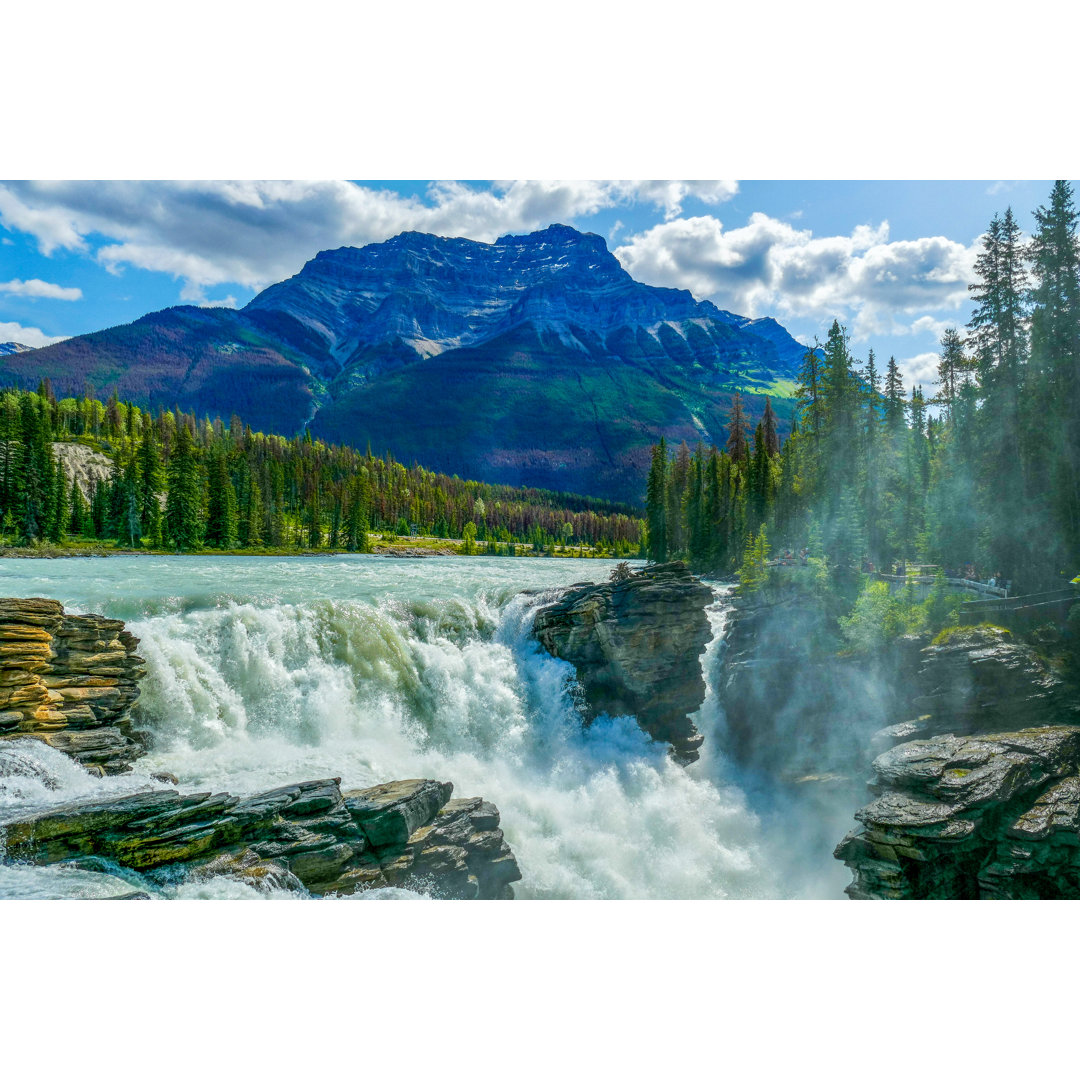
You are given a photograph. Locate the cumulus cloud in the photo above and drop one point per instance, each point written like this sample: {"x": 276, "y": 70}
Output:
{"x": 669, "y": 195}
{"x": 35, "y": 287}
{"x": 26, "y": 335}
{"x": 920, "y": 370}
{"x": 257, "y": 232}
{"x": 770, "y": 266}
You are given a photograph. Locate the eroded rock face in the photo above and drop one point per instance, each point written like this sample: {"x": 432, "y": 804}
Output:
{"x": 980, "y": 817}
{"x": 982, "y": 680}
{"x": 410, "y": 834}
{"x": 70, "y": 681}
{"x": 636, "y": 646}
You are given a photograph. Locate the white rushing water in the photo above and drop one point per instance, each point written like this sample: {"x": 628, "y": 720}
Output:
{"x": 265, "y": 671}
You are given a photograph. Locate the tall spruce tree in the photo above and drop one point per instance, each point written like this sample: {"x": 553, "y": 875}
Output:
{"x": 1053, "y": 386}
{"x": 998, "y": 341}
{"x": 737, "y": 447}
{"x": 183, "y": 505}
{"x": 656, "y": 503}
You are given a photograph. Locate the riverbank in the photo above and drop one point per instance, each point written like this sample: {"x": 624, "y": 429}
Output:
{"x": 382, "y": 544}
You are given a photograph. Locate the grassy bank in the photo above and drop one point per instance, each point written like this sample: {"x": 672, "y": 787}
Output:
{"x": 381, "y": 544}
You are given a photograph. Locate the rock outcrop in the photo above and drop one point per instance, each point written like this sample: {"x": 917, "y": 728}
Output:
{"x": 984, "y": 817}
{"x": 70, "y": 681}
{"x": 968, "y": 806}
{"x": 636, "y": 646}
{"x": 980, "y": 680}
{"x": 410, "y": 834}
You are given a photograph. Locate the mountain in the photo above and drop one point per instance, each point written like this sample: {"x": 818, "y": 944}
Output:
{"x": 536, "y": 360}
{"x": 7, "y": 348}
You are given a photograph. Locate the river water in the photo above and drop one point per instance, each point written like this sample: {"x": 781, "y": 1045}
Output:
{"x": 265, "y": 671}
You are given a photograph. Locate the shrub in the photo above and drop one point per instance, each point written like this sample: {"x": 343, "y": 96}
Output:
{"x": 878, "y": 617}
{"x": 753, "y": 574}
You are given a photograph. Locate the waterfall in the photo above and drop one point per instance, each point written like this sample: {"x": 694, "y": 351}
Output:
{"x": 437, "y": 676}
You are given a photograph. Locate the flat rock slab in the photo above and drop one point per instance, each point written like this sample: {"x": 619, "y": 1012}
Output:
{"x": 408, "y": 834}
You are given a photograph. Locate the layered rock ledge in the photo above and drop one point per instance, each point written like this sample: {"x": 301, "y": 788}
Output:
{"x": 972, "y": 818}
{"x": 636, "y": 645}
{"x": 69, "y": 680}
{"x": 313, "y": 836}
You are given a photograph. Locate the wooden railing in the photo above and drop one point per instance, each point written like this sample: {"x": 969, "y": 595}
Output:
{"x": 954, "y": 582}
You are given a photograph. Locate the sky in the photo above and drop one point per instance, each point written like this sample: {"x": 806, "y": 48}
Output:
{"x": 890, "y": 259}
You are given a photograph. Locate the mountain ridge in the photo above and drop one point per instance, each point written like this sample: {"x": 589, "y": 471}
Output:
{"x": 536, "y": 359}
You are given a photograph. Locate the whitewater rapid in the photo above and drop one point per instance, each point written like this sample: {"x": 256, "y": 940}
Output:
{"x": 268, "y": 671}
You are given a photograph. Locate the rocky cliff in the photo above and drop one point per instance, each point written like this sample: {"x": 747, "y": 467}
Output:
{"x": 985, "y": 804}
{"x": 310, "y": 836}
{"x": 987, "y": 817}
{"x": 70, "y": 680}
{"x": 636, "y": 645}
{"x": 979, "y": 680}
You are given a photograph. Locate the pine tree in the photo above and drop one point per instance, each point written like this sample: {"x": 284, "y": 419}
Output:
{"x": 151, "y": 485}
{"x": 1053, "y": 387}
{"x": 953, "y": 369}
{"x": 808, "y": 394}
{"x": 184, "y": 502}
{"x": 769, "y": 430}
{"x": 998, "y": 341}
{"x": 656, "y": 503}
{"x": 737, "y": 447}
{"x": 222, "y": 523}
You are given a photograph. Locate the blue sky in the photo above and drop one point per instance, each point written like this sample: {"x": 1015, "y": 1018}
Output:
{"x": 890, "y": 259}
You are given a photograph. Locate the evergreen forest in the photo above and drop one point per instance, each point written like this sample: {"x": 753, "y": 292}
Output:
{"x": 981, "y": 476}
{"x": 176, "y": 483}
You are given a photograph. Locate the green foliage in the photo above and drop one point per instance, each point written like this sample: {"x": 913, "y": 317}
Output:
{"x": 468, "y": 534}
{"x": 754, "y": 569}
{"x": 942, "y": 605}
{"x": 984, "y": 472}
{"x": 879, "y": 617}
{"x": 963, "y": 633}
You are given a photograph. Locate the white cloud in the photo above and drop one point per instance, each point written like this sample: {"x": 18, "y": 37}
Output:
{"x": 254, "y": 233}
{"x": 920, "y": 370}
{"x": 669, "y": 195}
{"x": 770, "y": 266}
{"x": 927, "y": 324}
{"x": 1001, "y": 187}
{"x": 26, "y": 335}
{"x": 35, "y": 287}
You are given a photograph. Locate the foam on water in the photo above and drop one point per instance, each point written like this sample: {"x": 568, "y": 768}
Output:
{"x": 423, "y": 670}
